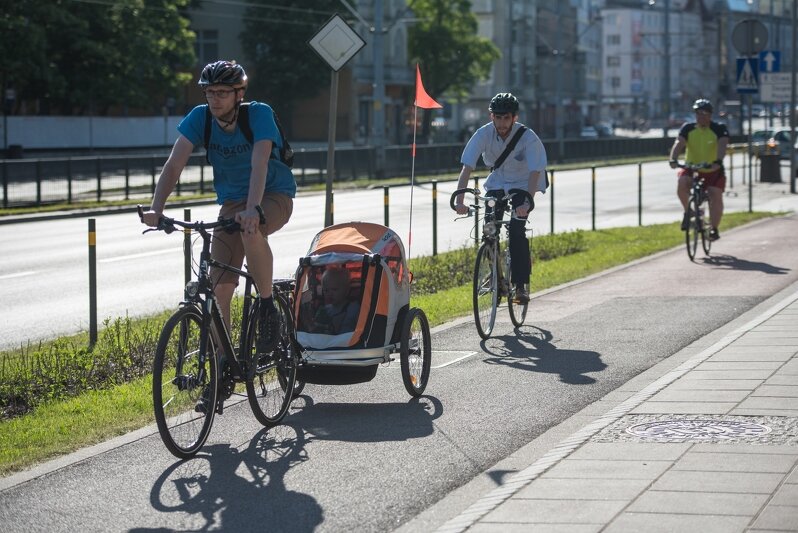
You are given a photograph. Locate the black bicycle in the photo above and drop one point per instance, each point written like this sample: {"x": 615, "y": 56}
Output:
{"x": 196, "y": 365}
{"x": 492, "y": 267}
{"x": 697, "y": 224}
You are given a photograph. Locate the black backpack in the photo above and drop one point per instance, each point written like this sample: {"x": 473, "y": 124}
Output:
{"x": 286, "y": 153}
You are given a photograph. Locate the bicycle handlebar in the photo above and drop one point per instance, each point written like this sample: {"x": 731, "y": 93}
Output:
{"x": 168, "y": 225}
{"x": 478, "y": 197}
{"x": 690, "y": 166}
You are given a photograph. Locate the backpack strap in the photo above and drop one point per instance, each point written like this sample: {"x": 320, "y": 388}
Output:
{"x": 509, "y": 148}
{"x": 243, "y": 123}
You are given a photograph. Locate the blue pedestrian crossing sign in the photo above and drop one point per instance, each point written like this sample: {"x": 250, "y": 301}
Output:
{"x": 748, "y": 75}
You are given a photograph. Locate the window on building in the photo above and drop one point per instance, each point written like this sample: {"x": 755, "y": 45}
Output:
{"x": 207, "y": 46}
{"x": 613, "y": 61}
{"x": 615, "y": 82}
{"x": 613, "y": 39}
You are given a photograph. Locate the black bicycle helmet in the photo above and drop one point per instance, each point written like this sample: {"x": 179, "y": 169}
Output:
{"x": 223, "y": 73}
{"x": 504, "y": 103}
{"x": 702, "y": 104}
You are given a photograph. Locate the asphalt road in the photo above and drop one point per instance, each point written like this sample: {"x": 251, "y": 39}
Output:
{"x": 365, "y": 458}
{"x": 44, "y": 281}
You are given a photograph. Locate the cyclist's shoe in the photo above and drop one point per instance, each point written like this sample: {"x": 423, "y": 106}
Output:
{"x": 203, "y": 405}
{"x": 686, "y": 220}
{"x": 521, "y": 293}
{"x": 268, "y": 328}
{"x": 713, "y": 234}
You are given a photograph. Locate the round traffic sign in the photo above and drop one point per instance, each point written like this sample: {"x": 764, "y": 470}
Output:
{"x": 749, "y": 37}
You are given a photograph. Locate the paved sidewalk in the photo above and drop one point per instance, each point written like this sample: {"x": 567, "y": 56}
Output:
{"x": 710, "y": 446}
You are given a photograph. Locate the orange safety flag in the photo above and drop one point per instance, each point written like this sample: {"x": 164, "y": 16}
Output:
{"x": 423, "y": 100}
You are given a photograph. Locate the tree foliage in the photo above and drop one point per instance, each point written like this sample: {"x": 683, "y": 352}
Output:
{"x": 445, "y": 43}
{"x": 275, "y": 40}
{"x": 75, "y": 57}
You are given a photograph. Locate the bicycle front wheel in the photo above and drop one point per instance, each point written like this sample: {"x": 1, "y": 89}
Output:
{"x": 272, "y": 376}
{"x": 184, "y": 383}
{"x": 486, "y": 290}
{"x": 691, "y": 233}
{"x": 517, "y": 309}
{"x": 706, "y": 243}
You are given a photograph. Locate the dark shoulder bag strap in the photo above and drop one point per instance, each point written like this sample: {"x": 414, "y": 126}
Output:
{"x": 510, "y": 147}
{"x": 207, "y": 134}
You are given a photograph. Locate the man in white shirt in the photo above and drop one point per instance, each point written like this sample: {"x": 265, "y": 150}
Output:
{"x": 524, "y": 168}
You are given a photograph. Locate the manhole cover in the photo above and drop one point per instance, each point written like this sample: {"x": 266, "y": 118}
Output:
{"x": 684, "y": 429}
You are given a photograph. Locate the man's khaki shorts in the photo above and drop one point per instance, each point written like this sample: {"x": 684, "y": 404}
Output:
{"x": 228, "y": 248}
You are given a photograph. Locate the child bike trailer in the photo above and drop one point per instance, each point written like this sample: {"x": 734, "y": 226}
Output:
{"x": 352, "y": 309}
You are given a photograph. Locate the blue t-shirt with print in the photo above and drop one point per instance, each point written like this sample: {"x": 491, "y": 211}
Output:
{"x": 230, "y": 154}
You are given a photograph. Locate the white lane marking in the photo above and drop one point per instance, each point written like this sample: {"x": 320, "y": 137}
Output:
{"x": 142, "y": 254}
{"x": 445, "y": 354}
{"x": 20, "y": 274}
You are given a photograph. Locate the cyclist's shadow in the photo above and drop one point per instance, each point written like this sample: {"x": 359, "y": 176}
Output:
{"x": 231, "y": 490}
{"x": 730, "y": 262}
{"x": 534, "y": 351}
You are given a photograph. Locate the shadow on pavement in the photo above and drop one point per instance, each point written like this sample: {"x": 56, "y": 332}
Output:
{"x": 730, "y": 262}
{"x": 531, "y": 348}
{"x": 230, "y": 490}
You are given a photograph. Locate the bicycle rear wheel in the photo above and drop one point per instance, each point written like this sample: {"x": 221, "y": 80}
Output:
{"x": 272, "y": 376}
{"x": 181, "y": 374}
{"x": 486, "y": 293}
{"x": 517, "y": 309}
{"x": 691, "y": 233}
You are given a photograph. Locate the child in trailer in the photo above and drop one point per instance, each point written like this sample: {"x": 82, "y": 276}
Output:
{"x": 338, "y": 314}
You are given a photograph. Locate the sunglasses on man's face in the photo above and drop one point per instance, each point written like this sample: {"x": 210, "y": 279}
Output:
{"x": 502, "y": 116}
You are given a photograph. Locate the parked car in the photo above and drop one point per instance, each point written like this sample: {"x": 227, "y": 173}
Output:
{"x": 588, "y": 132}
{"x": 604, "y": 129}
{"x": 783, "y": 139}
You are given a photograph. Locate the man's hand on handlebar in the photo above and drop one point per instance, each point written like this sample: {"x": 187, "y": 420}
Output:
{"x": 460, "y": 207}
{"x": 674, "y": 163}
{"x": 249, "y": 219}
{"x": 150, "y": 218}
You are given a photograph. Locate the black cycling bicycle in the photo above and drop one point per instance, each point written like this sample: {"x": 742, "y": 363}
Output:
{"x": 196, "y": 365}
{"x": 697, "y": 224}
{"x": 492, "y": 267}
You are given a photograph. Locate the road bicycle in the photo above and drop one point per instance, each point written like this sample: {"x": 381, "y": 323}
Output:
{"x": 197, "y": 365}
{"x": 492, "y": 267}
{"x": 697, "y": 208}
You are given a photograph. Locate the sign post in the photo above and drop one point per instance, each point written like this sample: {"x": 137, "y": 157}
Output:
{"x": 336, "y": 43}
{"x": 749, "y": 37}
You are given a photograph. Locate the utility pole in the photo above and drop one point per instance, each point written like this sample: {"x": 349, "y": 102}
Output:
{"x": 379, "y": 89}
{"x": 666, "y": 80}
{"x": 792, "y": 93}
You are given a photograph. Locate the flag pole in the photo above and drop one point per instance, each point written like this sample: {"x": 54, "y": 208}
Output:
{"x": 412, "y": 181}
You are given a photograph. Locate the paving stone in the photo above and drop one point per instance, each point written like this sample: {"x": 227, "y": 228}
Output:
{"x": 685, "y": 395}
{"x": 738, "y": 447}
{"x": 583, "y": 489}
{"x": 785, "y": 391}
{"x": 781, "y": 331}
{"x": 694, "y": 408}
{"x": 787, "y": 495}
{"x": 765, "y": 412}
{"x": 669, "y": 523}
{"x": 735, "y": 462}
{"x": 608, "y": 469}
{"x": 734, "y": 482}
{"x": 690, "y": 383}
{"x": 702, "y": 503}
{"x": 503, "y": 527}
{"x": 781, "y": 380}
{"x": 781, "y": 517}
{"x": 734, "y": 348}
{"x": 790, "y": 368}
{"x": 630, "y": 451}
{"x": 739, "y": 365}
{"x": 764, "y": 343}
{"x": 752, "y": 356}
{"x": 556, "y": 511}
{"x": 766, "y": 402}
{"x": 730, "y": 374}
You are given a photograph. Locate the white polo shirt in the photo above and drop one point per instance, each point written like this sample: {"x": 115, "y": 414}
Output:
{"x": 529, "y": 155}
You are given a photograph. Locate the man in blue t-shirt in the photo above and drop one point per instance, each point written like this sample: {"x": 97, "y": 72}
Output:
{"x": 254, "y": 189}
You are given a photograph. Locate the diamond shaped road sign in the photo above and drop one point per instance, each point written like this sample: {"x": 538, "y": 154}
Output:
{"x": 336, "y": 43}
